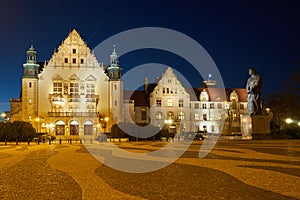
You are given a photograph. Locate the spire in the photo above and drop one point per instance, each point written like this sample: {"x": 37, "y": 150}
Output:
{"x": 114, "y": 69}
{"x": 31, "y": 54}
{"x": 114, "y": 59}
{"x": 31, "y": 68}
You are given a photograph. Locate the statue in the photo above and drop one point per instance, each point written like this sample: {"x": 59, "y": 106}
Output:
{"x": 254, "y": 93}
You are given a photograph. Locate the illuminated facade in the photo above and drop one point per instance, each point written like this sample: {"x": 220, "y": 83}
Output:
{"x": 72, "y": 94}
{"x": 167, "y": 102}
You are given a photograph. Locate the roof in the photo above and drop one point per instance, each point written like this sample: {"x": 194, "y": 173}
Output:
{"x": 139, "y": 97}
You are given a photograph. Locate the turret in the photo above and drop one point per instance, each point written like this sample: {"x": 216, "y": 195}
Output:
{"x": 31, "y": 68}
{"x": 114, "y": 70}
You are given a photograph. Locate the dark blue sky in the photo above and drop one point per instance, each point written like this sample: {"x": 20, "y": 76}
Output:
{"x": 237, "y": 35}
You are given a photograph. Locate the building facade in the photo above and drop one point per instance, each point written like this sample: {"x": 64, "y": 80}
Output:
{"x": 73, "y": 94}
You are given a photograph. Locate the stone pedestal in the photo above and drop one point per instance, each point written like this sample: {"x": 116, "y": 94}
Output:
{"x": 255, "y": 127}
{"x": 246, "y": 127}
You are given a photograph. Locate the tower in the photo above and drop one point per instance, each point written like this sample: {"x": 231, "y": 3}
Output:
{"x": 29, "y": 88}
{"x": 115, "y": 87}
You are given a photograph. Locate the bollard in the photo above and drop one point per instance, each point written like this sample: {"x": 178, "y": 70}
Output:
{"x": 59, "y": 140}
{"x": 70, "y": 140}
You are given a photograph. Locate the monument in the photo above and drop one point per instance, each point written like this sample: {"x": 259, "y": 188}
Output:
{"x": 255, "y": 125}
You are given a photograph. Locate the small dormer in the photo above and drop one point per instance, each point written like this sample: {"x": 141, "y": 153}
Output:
{"x": 204, "y": 96}
{"x": 234, "y": 96}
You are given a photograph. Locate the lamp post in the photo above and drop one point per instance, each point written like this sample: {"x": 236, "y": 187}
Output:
{"x": 3, "y": 115}
{"x": 37, "y": 120}
{"x": 227, "y": 107}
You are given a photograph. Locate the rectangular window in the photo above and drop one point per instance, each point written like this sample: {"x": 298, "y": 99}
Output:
{"x": 81, "y": 61}
{"x": 180, "y": 103}
{"x": 158, "y": 102}
{"x": 219, "y": 106}
{"x": 158, "y": 115}
{"x": 143, "y": 114}
{"x": 90, "y": 90}
{"x": 242, "y": 106}
{"x": 66, "y": 60}
{"x": 212, "y": 106}
{"x": 196, "y": 105}
{"x": 57, "y": 87}
{"x": 170, "y": 102}
{"x": 234, "y": 106}
{"x": 204, "y": 106}
{"x": 197, "y": 117}
{"x": 212, "y": 129}
{"x": 116, "y": 103}
{"x": 181, "y": 115}
{"x": 74, "y": 50}
{"x": 74, "y": 89}
{"x": 30, "y": 84}
{"x": 204, "y": 117}
{"x": 74, "y": 60}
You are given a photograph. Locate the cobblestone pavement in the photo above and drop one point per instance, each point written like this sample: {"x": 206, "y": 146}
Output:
{"x": 259, "y": 169}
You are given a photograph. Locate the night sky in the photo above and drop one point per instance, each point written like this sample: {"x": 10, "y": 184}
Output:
{"x": 236, "y": 34}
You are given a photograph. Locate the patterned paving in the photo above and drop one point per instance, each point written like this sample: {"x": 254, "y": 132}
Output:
{"x": 262, "y": 169}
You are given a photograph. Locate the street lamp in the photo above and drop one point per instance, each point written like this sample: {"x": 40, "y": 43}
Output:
{"x": 289, "y": 121}
{"x": 37, "y": 120}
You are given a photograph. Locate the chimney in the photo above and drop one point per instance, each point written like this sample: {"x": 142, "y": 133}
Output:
{"x": 146, "y": 85}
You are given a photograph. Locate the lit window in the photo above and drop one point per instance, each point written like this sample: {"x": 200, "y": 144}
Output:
{"x": 74, "y": 89}
{"x": 57, "y": 87}
{"x": 170, "y": 102}
{"x": 158, "y": 115}
{"x": 29, "y": 101}
{"x": 158, "y": 102}
{"x": 90, "y": 90}
{"x": 143, "y": 114}
{"x": 181, "y": 115}
{"x": 170, "y": 115}
{"x": 180, "y": 103}
{"x": 29, "y": 118}
{"x": 197, "y": 117}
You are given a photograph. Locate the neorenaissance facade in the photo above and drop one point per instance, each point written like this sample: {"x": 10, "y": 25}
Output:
{"x": 73, "y": 94}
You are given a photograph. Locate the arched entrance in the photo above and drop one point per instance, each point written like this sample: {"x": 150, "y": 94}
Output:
{"x": 88, "y": 127}
{"x": 60, "y": 128}
{"x": 74, "y": 127}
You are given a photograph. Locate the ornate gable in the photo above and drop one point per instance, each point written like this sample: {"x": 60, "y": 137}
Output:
{"x": 90, "y": 78}
{"x": 73, "y": 53}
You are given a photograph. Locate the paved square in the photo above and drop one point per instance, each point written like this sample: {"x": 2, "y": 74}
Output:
{"x": 259, "y": 169}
